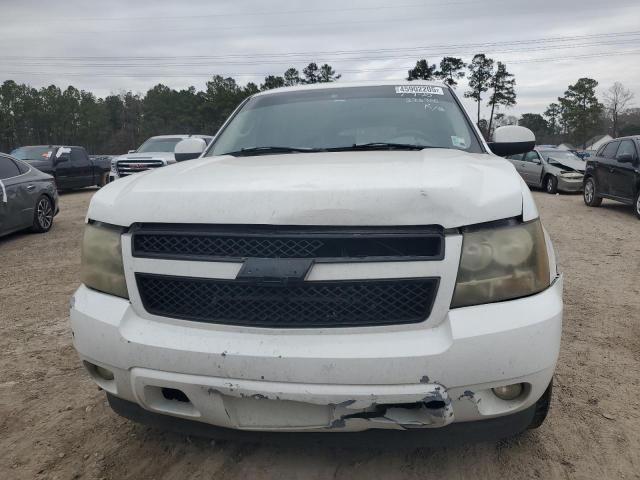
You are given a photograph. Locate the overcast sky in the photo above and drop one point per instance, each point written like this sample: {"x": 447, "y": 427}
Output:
{"x": 135, "y": 44}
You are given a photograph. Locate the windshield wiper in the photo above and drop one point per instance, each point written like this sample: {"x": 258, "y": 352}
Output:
{"x": 267, "y": 150}
{"x": 379, "y": 146}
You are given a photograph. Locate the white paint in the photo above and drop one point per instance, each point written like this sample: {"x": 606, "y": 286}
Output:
{"x": 191, "y": 146}
{"x": 513, "y": 134}
{"x": 307, "y": 373}
{"x": 447, "y": 187}
{"x": 459, "y": 353}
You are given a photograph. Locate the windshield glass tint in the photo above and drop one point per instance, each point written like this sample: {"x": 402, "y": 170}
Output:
{"x": 561, "y": 155}
{"x": 343, "y": 117}
{"x": 159, "y": 145}
{"x": 33, "y": 153}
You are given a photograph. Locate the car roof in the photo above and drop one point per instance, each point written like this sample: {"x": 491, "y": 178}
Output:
{"x": 341, "y": 84}
{"x": 52, "y": 146}
{"x": 628, "y": 137}
{"x": 181, "y": 135}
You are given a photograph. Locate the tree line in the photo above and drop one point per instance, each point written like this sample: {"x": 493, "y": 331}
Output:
{"x": 119, "y": 122}
{"x": 578, "y": 115}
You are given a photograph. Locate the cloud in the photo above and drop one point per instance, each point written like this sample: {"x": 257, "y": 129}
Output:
{"x": 121, "y": 41}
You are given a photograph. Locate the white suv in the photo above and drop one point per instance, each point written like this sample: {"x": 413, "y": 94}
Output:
{"x": 341, "y": 257}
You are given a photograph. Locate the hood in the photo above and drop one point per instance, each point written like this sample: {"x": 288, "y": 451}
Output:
{"x": 148, "y": 156}
{"x": 569, "y": 164}
{"x": 434, "y": 186}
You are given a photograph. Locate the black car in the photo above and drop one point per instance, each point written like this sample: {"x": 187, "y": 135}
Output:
{"x": 69, "y": 165}
{"x": 28, "y": 197}
{"x": 614, "y": 173}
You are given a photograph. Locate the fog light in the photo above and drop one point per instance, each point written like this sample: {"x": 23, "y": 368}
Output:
{"x": 104, "y": 373}
{"x": 509, "y": 392}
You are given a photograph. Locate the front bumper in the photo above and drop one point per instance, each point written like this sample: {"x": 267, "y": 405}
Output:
{"x": 570, "y": 184}
{"x": 270, "y": 380}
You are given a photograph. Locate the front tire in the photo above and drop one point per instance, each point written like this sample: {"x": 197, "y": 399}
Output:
{"x": 590, "y": 194}
{"x": 551, "y": 184}
{"x": 104, "y": 179}
{"x": 637, "y": 204}
{"x": 542, "y": 407}
{"x": 42, "y": 215}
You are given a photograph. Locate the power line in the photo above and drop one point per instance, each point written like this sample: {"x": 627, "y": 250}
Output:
{"x": 273, "y": 13}
{"x": 258, "y": 74}
{"x": 211, "y": 30}
{"x": 209, "y": 63}
{"x": 308, "y": 54}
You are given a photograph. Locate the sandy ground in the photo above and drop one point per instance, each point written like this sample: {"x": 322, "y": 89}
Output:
{"x": 55, "y": 423}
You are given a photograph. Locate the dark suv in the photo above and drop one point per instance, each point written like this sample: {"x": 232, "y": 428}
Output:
{"x": 614, "y": 173}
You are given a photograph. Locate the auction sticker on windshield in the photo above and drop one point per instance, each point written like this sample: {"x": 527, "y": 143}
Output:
{"x": 419, "y": 90}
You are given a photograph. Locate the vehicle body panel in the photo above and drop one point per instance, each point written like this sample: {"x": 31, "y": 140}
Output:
{"x": 615, "y": 179}
{"x": 328, "y": 378}
{"x": 426, "y": 187}
{"x": 22, "y": 192}
{"x": 70, "y": 166}
{"x": 534, "y": 167}
{"x": 135, "y": 162}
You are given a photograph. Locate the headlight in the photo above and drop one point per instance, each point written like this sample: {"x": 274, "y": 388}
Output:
{"x": 502, "y": 263}
{"x": 114, "y": 167}
{"x": 102, "y": 267}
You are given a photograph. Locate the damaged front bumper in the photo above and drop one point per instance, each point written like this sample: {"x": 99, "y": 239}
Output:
{"x": 570, "y": 184}
{"x": 328, "y": 381}
{"x": 260, "y": 405}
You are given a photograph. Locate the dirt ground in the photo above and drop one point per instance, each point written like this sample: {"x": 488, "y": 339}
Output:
{"x": 55, "y": 423}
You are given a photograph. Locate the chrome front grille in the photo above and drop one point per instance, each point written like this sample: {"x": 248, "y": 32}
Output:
{"x": 127, "y": 167}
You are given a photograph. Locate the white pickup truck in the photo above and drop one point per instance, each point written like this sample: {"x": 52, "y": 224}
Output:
{"x": 153, "y": 153}
{"x": 341, "y": 258}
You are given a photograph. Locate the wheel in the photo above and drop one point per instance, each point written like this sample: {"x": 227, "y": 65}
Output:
{"x": 637, "y": 203}
{"x": 590, "y": 195}
{"x": 104, "y": 179}
{"x": 551, "y": 184}
{"x": 542, "y": 407}
{"x": 42, "y": 215}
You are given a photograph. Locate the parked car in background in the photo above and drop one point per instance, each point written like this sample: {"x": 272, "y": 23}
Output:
{"x": 153, "y": 153}
{"x": 584, "y": 154}
{"x": 550, "y": 168}
{"x": 614, "y": 173}
{"x": 28, "y": 197}
{"x": 70, "y": 166}
{"x": 342, "y": 257}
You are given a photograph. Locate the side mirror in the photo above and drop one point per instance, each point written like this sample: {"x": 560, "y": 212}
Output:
{"x": 625, "y": 158}
{"x": 512, "y": 139}
{"x": 189, "y": 148}
{"x": 131, "y": 151}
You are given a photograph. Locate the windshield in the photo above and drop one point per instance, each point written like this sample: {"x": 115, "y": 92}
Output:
{"x": 30, "y": 154}
{"x": 555, "y": 156}
{"x": 159, "y": 145}
{"x": 339, "y": 118}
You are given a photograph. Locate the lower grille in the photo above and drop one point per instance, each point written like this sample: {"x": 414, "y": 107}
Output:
{"x": 300, "y": 305}
{"x": 127, "y": 167}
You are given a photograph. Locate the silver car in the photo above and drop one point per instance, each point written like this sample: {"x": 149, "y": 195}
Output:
{"x": 550, "y": 168}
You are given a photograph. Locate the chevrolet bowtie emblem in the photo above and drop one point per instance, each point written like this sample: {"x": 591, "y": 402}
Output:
{"x": 275, "y": 270}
